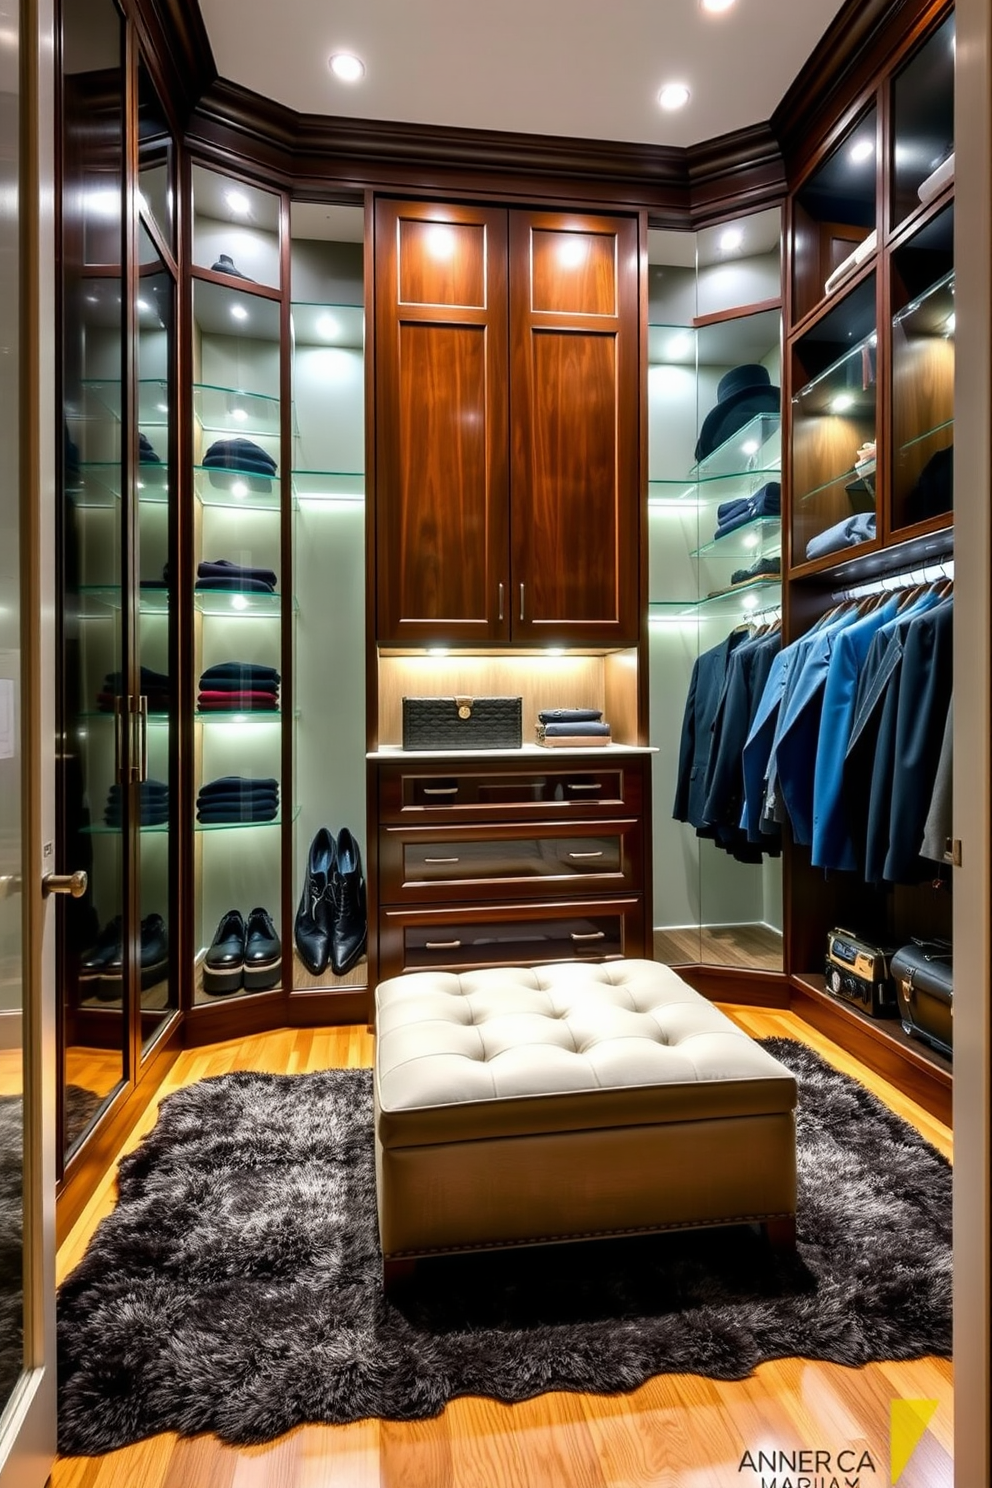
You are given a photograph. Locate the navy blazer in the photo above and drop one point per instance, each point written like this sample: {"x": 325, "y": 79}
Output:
{"x": 747, "y": 675}
{"x": 709, "y": 673}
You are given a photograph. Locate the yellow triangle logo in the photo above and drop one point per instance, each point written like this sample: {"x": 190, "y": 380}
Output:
{"x": 909, "y": 1420}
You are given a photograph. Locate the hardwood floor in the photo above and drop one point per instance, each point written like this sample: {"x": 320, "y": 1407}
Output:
{"x": 676, "y": 1431}
{"x": 754, "y": 947}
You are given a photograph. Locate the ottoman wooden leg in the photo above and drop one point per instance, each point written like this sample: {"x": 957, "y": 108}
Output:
{"x": 781, "y": 1233}
{"x": 396, "y": 1272}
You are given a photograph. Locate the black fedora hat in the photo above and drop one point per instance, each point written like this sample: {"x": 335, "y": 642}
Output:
{"x": 741, "y": 393}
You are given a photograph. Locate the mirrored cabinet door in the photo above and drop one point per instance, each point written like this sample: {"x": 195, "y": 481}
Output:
{"x": 93, "y": 577}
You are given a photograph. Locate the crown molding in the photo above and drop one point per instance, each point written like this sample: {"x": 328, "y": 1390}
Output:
{"x": 178, "y": 50}
{"x": 842, "y": 70}
{"x": 735, "y": 174}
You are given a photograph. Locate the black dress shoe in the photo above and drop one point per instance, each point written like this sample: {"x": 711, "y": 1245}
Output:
{"x": 315, "y": 916}
{"x": 263, "y": 953}
{"x": 154, "y": 951}
{"x": 350, "y": 930}
{"x": 224, "y": 963}
{"x": 101, "y": 968}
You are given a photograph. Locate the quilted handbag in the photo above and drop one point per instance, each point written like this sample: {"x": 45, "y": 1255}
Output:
{"x": 462, "y": 723}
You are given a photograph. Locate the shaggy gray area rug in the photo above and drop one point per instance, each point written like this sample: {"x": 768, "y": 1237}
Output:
{"x": 236, "y": 1287}
{"x": 80, "y": 1106}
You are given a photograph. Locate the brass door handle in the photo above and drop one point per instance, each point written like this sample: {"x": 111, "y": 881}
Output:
{"x": 75, "y": 884}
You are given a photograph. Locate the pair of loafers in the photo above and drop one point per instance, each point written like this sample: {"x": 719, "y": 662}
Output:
{"x": 101, "y": 968}
{"x": 243, "y": 954}
{"x": 332, "y": 921}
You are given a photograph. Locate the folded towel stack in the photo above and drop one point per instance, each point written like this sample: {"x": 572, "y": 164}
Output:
{"x": 223, "y": 573}
{"x": 237, "y": 798}
{"x": 238, "y": 687}
{"x": 154, "y": 804}
{"x": 154, "y": 686}
{"x": 560, "y": 728}
{"x": 766, "y": 502}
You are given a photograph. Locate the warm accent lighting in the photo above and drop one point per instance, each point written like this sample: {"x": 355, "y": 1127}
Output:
{"x": 862, "y": 151}
{"x": 437, "y": 650}
{"x": 673, "y": 96}
{"x": 440, "y": 241}
{"x": 572, "y": 251}
{"x": 731, "y": 239}
{"x": 239, "y": 204}
{"x": 842, "y": 403}
{"x": 346, "y": 66}
{"x": 238, "y": 312}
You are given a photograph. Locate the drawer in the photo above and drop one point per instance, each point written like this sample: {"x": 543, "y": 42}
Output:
{"x": 437, "y": 794}
{"x": 418, "y": 864}
{"x": 460, "y": 938}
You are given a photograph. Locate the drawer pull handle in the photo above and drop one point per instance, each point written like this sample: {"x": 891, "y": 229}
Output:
{"x": 589, "y": 935}
{"x": 440, "y": 790}
{"x": 586, "y": 854}
{"x": 441, "y": 945}
{"x": 577, "y": 785}
{"x": 442, "y": 860}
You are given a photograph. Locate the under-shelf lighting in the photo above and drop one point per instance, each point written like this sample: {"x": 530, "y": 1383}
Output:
{"x": 842, "y": 403}
{"x": 240, "y": 414}
{"x": 239, "y": 204}
{"x": 239, "y": 718}
{"x": 862, "y": 151}
{"x": 751, "y": 541}
{"x": 238, "y": 602}
{"x": 437, "y": 650}
{"x": 731, "y": 239}
{"x": 678, "y": 346}
{"x": 239, "y": 488}
{"x": 554, "y": 650}
{"x": 238, "y": 312}
{"x": 328, "y": 326}
{"x": 750, "y": 601}
{"x": 750, "y": 447}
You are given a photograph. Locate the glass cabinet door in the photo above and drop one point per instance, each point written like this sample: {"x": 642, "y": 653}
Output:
{"x": 154, "y": 485}
{"x": 93, "y": 576}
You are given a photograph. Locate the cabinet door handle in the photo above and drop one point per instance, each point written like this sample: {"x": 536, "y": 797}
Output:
{"x": 119, "y": 739}
{"x": 442, "y": 860}
{"x": 501, "y": 600}
{"x": 521, "y": 601}
{"x": 577, "y": 785}
{"x": 143, "y": 726}
{"x": 589, "y": 935}
{"x": 440, "y": 790}
{"x": 586, "y": 854}
{"x": 441, "y": 945}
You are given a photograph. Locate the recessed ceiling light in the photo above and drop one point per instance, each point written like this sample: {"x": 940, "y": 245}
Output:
{"x": 673, "y": 96}
{"x": 346, "y": 66}
{"x": 862, "y": 151}
{"x": 716, "y": 6}
{"x": 328, "y": 326}
{"x": 731, "y": 239}
{"x": 239, "y": 312}
{"x": 239, "y": 204}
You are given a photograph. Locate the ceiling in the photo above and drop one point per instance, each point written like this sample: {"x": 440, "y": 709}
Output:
{"x": 588, "y": 69}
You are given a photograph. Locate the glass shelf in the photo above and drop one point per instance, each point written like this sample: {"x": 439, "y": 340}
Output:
{"x": 931, "y": 313}
{"x": 235, "y": 717}
{"x": 103, "y": 599}
{"x": 100, "y": 829}
{"x": 743, "y": 453}
{"x": 946, "y": 427}
{"x": 235, "y": 410}
{"x": 853, "y": 484}
{"x": 760, "y": 595}
{"x": 101, "y": 397}
{"x": 155, "y": 720}
{"x": 712, "y": 490}
{"x": 823, "y": 394}
{"x": 100, "y": 483}
{"x": 238, "y": 490}
{"x": 239, "y": 826}
{"x": 746, "y": 541}
{"x": 318, "y": 323}
{"x": 328, "y": 485}
{"x": 232, "y": 604}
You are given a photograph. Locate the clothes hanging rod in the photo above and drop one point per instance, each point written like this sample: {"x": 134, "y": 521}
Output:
{"x": 929, "y": 574}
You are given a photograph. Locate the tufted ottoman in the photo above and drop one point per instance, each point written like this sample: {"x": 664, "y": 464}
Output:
{"x": 515, "y": 1106}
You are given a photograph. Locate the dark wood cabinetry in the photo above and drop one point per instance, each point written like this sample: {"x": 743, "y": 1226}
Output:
{"x": 507, "y": 414}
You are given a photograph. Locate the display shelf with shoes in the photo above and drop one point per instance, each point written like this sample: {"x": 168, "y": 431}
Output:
{"x": 235, "y": 228}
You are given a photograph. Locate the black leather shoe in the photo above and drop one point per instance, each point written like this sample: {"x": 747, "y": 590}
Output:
{"x": 263, "y": 953}
{"x": 315, "y": 916}
{"x": 350, "y": 929}
{"x": 224, "y": 963}
{"x": 101, "y": 968}
{"x": 154, "y": 951}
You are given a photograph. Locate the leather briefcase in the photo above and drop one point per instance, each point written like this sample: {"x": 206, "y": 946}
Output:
{"x": 923, "y": 975}
{"x": 462, "y": 723}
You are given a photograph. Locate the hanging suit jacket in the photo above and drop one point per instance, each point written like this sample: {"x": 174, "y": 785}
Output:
{"x": 747, "y": 675}
{"x": 831, "y": 840}
{"x": 938, "y": 824}
{"x": 705, "y": 688}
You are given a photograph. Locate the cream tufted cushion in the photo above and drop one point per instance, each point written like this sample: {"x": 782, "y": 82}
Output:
{"x": 518, "y": 1051}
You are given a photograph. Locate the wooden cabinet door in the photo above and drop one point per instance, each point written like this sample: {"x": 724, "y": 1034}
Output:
{"x": 441, "y": 500}
{"x": 574, "y": 417}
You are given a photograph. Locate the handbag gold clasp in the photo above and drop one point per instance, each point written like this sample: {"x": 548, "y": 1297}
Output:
{"x": 464, "y": 706}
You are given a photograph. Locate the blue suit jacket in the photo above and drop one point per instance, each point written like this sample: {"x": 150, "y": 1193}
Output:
{"x": 705, "y": 688}
{"x": 832, "y": 845}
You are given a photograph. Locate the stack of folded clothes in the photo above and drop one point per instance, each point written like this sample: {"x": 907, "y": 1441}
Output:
{"x": 146, "y": 452}
{"x": 223, "y": 573}
{"x": 154, "y": 804}
{"x": 154, "y": 686}
{"x": 236, "y": 798}
{"x": 243, "y": 455}
{"x": 761, "y": 569}
{"x": 766, "y": 502}
{"x": 846, "y": 534}
{"x": 562, "y": 728}
{"x": 238, "y": 687}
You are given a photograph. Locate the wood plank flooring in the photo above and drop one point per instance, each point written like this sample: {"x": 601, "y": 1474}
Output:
{"x": 753, "y": 947}
{"x": 676, "y": 1431}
